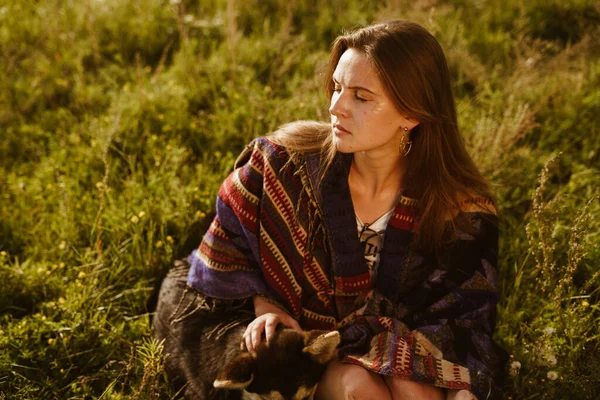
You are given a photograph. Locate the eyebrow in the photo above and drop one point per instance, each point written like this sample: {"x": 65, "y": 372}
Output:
{"x": 354, "y": 87}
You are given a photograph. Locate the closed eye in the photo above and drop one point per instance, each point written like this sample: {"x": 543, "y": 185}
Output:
{"x": 357, "y": 97}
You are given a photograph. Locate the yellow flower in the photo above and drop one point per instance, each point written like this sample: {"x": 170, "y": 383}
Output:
{"x": 100, "y": 185}
{"x": 3, "y": 253}
{"x": 51, "y": 341}
{"x": 159, "y": 244}
{"x": 135, "y": 219}
{"x": 585, "y": 303}
{"x": 170, "y": 239}
{"x": 200, "y": 214}
{"x": 141, "y": 214}
{"x": 62, "y": 245}
{"x": 81, "y": 275}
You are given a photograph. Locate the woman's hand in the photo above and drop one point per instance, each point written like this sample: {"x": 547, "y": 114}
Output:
{"x": 268, "y": 316}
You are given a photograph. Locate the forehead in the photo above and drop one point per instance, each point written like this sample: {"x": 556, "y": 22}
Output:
{"x": 354, "y": 68}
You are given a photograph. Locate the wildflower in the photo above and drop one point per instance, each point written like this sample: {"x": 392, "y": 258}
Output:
{"x": 549, "y": 330}
{"x": 49, "y": 186}
{"x": 100, "y": 185}
{"x": 551, "y": 359}
{"x": 159, "y": 244}
{"x": 51, "y": 341}
{"x": 188, "y": 18}
{"x": 552, "y": 375}
{"x": 170, "y": 239}
{"x": 62, "y": 245}
{"x": 3, "y": 253}
{"x": 81, "y": 275}
{"x": 515, "y": 367}
{"x": 585, "y": 303}
{"x": 200, "y": 214}
{"x": 141, "y": 214}
{"x": 135, "y": 219}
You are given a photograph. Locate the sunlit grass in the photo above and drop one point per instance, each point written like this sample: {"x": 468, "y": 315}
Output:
{"x": 120, "y": 119}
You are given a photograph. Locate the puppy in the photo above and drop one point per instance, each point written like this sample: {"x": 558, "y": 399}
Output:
{"x": 202, "y": 349}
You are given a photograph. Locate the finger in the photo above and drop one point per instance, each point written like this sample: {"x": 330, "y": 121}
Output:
{"x": 270, "y": 327}
{"x": 256, "y": 333}
{"x": 245, "y": 344}
{"x": 248, "y": 343}
{"x": 292, "y": 323}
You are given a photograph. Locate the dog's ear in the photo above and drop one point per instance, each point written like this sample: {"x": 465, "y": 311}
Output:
{"x": 321, "y": 345}
{"x": 238, "y": 373}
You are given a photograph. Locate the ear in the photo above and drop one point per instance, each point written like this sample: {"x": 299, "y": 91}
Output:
{"x": 322, "y": 347}
{"x": 238, "y": 374}
{"x": 411, "y": 123}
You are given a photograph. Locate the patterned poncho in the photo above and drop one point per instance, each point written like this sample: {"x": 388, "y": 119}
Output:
{"x": 286, "y": 235}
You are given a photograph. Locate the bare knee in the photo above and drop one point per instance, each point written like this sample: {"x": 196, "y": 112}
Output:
{"x": 351, "y": 382}
{"x": 402, "y": 389}
{"x": 460, "y": 395}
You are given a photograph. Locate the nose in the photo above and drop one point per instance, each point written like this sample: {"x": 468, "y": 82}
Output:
{"x": 338, "y": 107}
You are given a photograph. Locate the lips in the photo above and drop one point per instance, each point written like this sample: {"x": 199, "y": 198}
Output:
{"x": 340, "y": 129}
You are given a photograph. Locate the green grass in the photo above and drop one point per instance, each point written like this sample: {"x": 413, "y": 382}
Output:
{"x": 119, "y": 121}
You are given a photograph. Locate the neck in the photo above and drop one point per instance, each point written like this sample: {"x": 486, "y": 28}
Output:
{"x": 377, "y": 175}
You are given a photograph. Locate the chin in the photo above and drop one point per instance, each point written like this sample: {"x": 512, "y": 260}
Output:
{"x": 342, "y": 146}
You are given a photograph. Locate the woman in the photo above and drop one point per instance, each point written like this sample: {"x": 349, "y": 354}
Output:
{"x": 377, "y": 224}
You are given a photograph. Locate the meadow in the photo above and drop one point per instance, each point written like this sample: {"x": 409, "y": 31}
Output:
{"x": 119, "y": 120}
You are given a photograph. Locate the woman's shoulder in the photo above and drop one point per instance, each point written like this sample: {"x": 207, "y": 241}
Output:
{"x": 472, "y": 202}
{"x": 294, "y": 137}
{"x": 476, "y": 203}
{"x": 261, "y": 150}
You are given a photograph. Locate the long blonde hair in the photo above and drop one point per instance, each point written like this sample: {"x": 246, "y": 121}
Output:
{"x": 413, "y": 69}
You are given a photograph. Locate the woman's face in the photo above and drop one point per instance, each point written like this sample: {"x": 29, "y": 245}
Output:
{"x": 363, "y": 116}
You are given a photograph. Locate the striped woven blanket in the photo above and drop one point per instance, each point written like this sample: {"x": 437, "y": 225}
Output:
{"x": 282, "y": 233}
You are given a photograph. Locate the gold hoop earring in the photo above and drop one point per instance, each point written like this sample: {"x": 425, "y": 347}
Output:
{"x": 405, "y": 145}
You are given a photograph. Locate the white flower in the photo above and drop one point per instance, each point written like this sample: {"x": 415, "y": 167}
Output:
{"x": 515, "y": 367}
{"x": 551, "y": 359}
{"x": 552, "y": 375}
{"x": 549, "y": 330}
